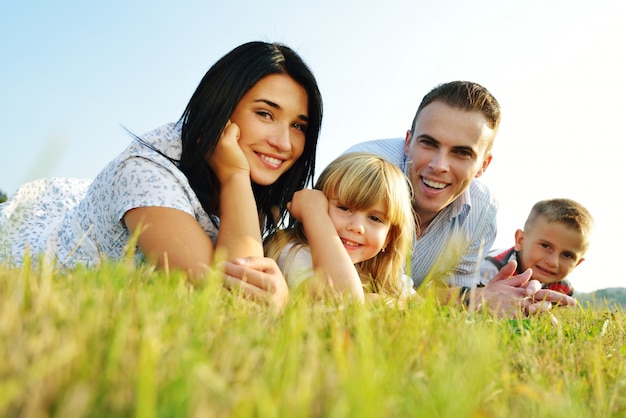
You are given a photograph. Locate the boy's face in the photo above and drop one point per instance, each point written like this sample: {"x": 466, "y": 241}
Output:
{"x": 551, "y": 249}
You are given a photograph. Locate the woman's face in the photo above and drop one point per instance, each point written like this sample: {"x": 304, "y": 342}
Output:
{"x": 272, "y": 118}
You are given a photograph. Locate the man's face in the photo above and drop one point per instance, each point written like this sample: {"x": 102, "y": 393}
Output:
{"x": 446, "y": 151}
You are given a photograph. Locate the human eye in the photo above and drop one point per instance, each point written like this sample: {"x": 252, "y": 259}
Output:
{"x": 339, "y": 205}
{"x": 300, "y": 126}
{"x": 377, "y": 219}
{"x": 427, "y": 142}
{"x": 464, "y": 153}
{"x": 264, "y": 114}
{"x": 569, "y": 255}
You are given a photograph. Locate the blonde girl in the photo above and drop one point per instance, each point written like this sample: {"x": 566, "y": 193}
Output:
{"x": 352, "y": 233}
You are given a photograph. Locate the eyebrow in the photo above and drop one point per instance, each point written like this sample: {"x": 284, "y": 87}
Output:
{"x": 456, "y": 148}
{"x": 277, "y": 106}
{"x": 465, "y": 148}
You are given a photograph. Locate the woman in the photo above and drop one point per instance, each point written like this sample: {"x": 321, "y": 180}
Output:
{"x": 214, "y": 182}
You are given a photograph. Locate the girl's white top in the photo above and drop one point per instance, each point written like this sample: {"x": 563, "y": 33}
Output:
{"x": 296, "y": 263}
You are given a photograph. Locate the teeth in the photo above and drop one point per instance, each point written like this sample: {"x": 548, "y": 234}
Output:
{"x": 434, "y": 184}
{"x": 271, "y": 160}
{"x": 351, "y": 243}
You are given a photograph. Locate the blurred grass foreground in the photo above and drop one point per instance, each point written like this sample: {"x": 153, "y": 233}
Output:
{"x": 124, "y": 341}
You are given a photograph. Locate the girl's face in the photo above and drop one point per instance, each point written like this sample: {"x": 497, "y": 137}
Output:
{"x": 363, "y": 232}
{"x": 272, "y": 118}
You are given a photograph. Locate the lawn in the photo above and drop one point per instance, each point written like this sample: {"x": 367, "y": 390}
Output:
{"x": 125, "y": 341}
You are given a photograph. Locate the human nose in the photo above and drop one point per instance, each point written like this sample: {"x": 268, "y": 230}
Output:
{"x": 552, "y": 259}
{"x": 439, "y": 162}
{"x": 279, "y": 137}
{"x": 356, "y": 224}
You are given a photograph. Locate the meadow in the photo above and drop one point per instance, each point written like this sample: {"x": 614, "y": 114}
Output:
{"x": 125, "y": 341}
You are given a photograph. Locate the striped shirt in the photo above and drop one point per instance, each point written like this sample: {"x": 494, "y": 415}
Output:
{"x": 454, "y": 244}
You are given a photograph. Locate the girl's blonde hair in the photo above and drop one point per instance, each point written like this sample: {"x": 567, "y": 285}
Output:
{"x": 361, "y": 180}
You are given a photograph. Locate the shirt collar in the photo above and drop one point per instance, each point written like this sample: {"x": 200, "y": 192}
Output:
{"x": 461, "y": 206}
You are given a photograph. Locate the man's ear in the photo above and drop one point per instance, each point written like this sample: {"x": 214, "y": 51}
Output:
{"x": 407, "y": 143}
{"x": 484, "y": 166}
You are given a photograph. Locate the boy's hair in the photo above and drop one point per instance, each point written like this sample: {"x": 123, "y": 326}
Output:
{"x": 565, "y": 211}
{"x": 361, "y": 180}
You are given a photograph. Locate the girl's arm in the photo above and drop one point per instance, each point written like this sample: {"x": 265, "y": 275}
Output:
{"x": 332, "y": 264}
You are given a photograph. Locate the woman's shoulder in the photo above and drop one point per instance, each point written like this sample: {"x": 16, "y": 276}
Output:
{"x": 162, "y": 142}
{"x": 150, "y": 155}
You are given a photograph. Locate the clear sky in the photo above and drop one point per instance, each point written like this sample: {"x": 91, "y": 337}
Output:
{"x": 74, "y": 72}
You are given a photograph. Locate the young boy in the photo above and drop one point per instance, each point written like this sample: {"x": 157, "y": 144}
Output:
{"x": 555, "y": 238}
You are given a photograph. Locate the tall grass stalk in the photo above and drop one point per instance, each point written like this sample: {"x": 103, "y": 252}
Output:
{"x": 126, "y": 341}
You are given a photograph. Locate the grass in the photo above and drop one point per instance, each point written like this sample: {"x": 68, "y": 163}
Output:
{"x": 122, "y": 341}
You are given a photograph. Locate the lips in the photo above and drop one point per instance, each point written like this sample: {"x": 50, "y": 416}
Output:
{"x": 348, "y": 243}
{"x": 544, "y": 271}
{"x": 271, "y": 161}
{"x": 434, "y": 184}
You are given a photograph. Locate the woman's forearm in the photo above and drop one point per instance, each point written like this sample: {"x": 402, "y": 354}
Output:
{"x": 240, "y": 231}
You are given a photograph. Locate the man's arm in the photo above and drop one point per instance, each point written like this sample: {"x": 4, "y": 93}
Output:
{"x": 510, "y": 295}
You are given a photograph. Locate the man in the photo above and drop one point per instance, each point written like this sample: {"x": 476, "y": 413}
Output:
{"x": 447, "y": 148}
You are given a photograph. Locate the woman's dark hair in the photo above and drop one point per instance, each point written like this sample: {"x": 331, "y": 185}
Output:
{"x": 212, "y": 104}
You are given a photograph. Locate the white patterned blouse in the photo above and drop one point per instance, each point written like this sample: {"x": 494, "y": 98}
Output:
{"x": 79, "y": 221}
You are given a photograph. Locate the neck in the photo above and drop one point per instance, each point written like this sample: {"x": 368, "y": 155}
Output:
{"x": 424, "y": 220}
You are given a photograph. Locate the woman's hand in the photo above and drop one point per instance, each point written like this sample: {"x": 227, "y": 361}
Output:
{"x": 228, "y": 158}
{"x": 257, "y": 278}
